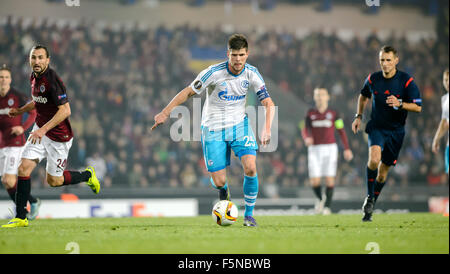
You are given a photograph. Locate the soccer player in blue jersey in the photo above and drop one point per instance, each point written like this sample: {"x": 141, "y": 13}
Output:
{"x": 394, "y": 93}
{"x": 225, "y": 126}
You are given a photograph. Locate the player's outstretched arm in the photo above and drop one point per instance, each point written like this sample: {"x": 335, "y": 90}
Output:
{"x": 442, "y": 129}
{"x": 18, "y": 111}
{"x": 179, "y": 99}
{"x": 362, "y": 102}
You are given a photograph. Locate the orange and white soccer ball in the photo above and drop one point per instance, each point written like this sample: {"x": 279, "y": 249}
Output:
{"x": 225, "y": 213}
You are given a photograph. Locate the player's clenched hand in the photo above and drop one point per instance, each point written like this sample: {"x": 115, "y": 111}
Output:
{"x": 160, "y": 118}
{"x": 13, "y": 112}
{"x": 309, "y": 141}
{"x": 17, "y": 130}
{"x": 348, "y": 155}
{"x": 36, "y": 136}
{"x": 392, "y": 101}
{"x": 356, "y": 125}
{"x": 265, "y": 137}
{"x": 435, "y": 146}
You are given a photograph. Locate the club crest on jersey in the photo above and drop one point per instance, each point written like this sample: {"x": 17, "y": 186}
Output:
{"x": 11, "y": 102}
{"x": 329, "y": 116}
{"x": 42, "y": 88}
{"x": 244, "y": 84}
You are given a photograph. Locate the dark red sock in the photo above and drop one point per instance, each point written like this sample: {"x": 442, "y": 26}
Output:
{"x": 12, "y": 192}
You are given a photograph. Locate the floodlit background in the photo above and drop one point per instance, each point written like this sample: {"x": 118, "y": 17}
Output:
{"x": 122, "y": 62}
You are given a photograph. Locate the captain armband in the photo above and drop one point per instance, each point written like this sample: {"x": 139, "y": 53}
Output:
{"x": 339, "y": 124}
{"x": 262, "y": 93}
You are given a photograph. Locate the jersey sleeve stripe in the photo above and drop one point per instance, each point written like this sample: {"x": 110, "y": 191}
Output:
{"x": 409, "y": 81}
{"x": 368, "y": 78}
{"x": 212, "y": 70}
{"x": 255, "y": 70}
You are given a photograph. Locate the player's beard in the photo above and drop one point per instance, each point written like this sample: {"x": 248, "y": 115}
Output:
{"x": 42, "y": 69}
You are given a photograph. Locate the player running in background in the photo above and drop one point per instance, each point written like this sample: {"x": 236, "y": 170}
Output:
{"x": 318, "y": 134}
{"x": 443, "y": 125}
{"x": 13, "y": 138}
{"x": 394, "y": 93}
{"x": 51, "y": 136}
{"x": 225, "y": 126}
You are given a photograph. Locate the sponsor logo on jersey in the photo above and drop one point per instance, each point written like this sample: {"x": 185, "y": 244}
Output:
{"x": 4, "y": 111}
{"x": 223, "y": 94}
{"x": 62, "y": 96}
{"x": 40, "y": 99}
{"x": 322, "y": 123}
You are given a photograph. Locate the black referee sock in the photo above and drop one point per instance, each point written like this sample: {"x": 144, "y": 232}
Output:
{"x": 22, "y": 195}
{"x": 318, "y": 191}
{"x": 75, "y": 177}
{"x": 371, "y": 176}
{"x": 329, "y": 194}
{"x": 378, "y": 187}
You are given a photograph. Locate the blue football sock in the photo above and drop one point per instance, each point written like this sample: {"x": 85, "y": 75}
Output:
{"x": 250, "y": 193}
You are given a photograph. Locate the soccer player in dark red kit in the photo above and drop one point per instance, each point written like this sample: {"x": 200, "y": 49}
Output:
{"x": 12, "y": 137}
{"x": 318, "y": 134}
{"x": 394, "y": 93}
{"x": 51, "y": 136}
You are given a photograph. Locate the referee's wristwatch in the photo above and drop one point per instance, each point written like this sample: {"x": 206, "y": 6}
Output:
{"x": 357, "y": 115}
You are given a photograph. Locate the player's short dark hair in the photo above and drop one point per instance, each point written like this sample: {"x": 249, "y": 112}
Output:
{"x": 388, "y": 49}
{"x": 5, "y": 67}
{"x": 39, "y": 46}
{"x": 237, "y": 41}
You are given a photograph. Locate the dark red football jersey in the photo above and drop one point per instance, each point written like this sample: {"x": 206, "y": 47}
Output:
{"x": 321, "y": 127}
{"x": 13, "y": 99}
{"x": 49, "y": 92}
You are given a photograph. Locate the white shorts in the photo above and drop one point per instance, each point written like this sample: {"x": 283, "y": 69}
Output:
{"x": 9, "y": 160}
{"x": 322, "y": 160}
{"x": 55, "y": 152}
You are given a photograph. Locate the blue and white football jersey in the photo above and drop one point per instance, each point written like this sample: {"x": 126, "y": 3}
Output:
{"x": 226, "y": 94}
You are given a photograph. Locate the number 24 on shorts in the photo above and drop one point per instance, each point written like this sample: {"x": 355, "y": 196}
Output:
{"x": 61, "y": 163}
{"x": 249, "y": 141}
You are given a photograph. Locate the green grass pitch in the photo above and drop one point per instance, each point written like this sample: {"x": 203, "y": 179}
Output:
{"x": 388, "y": 233}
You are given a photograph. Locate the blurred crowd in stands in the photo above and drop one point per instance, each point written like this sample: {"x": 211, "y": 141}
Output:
{"x": 118, "y": 80}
